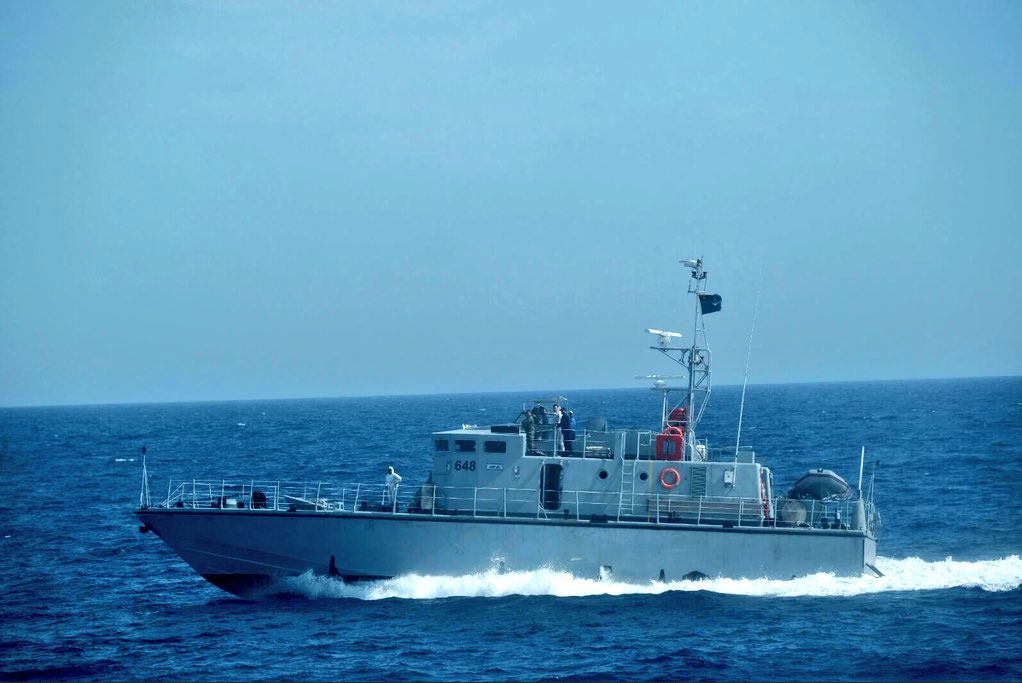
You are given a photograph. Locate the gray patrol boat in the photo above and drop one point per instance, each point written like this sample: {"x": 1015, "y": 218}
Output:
{"x": 637, "y": 505}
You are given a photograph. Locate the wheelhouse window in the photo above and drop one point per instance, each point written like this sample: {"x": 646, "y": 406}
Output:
{"x": 442, "y": 445}
{"x": 495, "y": 446}
{"x": 464, "y": 445}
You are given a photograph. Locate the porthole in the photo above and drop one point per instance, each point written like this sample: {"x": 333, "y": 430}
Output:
{"x": 603, "y": 474}
{"x": 643, "y": 476}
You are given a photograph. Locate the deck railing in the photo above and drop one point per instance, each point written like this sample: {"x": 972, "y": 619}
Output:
{"x": 549, "y": 441}
{"x": 578, "y": 505}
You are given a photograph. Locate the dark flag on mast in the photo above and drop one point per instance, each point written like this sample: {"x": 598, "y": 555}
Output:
{"x": 709, "y": 303}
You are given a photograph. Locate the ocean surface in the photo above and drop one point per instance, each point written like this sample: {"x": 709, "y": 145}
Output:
{"x": 86, "y": 597}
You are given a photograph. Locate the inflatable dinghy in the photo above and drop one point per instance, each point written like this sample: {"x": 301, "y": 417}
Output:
{"x": 820, "y": 484}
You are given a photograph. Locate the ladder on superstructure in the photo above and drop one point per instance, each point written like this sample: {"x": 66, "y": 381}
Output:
{"x": 626, "y": 497}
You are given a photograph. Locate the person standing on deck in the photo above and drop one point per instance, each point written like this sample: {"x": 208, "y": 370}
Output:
{"x": 568, "y": 431}
{"x": 529, "y": 423}
{"x": 559, "y": 440}
{"x": 393, "y": 480}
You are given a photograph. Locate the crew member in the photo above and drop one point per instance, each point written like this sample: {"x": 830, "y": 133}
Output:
{"x": 558, "y": 433}
{"x": 393, "y": 480}
{"x": 568, "y": 431}
{"x": 529, "y": 423}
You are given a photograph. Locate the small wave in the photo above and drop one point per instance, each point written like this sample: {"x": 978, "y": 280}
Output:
{"x": 908, "y": 574}
{"x": 60, "y": 673}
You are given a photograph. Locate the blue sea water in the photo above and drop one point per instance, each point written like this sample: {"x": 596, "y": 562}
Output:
{"x": 86, "y": 597}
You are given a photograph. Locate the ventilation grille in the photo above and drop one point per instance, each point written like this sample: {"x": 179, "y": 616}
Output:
{"x": 698, "y": 481}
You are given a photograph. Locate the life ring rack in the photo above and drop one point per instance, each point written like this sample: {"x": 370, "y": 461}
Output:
{"x": 663, "y": 477}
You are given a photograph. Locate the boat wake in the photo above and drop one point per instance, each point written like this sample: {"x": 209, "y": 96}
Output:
{"x": 909, "y": 574}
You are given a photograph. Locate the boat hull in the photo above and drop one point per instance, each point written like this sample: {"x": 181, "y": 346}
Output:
{"x": 239, "y": 549}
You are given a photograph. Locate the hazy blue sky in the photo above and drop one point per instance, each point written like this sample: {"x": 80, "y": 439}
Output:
{"x": 215, "y": 200}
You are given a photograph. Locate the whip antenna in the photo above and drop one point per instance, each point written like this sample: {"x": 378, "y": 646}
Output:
{"x": 748, "y": 358}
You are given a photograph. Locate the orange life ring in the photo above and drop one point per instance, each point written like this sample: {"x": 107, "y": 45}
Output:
{"x": 673, "y": 430}
{"x": 677, "y": 477}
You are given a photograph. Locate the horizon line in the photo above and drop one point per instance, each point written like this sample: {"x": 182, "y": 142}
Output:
{"x": 467, "y": 393}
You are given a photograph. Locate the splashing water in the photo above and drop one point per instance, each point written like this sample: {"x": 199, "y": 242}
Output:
{"x": 909, "y": 574}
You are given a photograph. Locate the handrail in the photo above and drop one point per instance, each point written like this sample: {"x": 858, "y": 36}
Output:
{"x": 547, "y": 443}
{"x": 581, "y": 506}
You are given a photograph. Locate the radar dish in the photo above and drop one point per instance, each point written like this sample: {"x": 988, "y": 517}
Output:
{"x": 660, "y": 376}
{"x": 665, "y": 337}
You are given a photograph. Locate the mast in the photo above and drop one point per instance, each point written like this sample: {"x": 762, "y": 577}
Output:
{"x": 695, "y": 358}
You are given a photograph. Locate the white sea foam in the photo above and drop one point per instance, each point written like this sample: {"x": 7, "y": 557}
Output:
{"x": 909, "y": 574}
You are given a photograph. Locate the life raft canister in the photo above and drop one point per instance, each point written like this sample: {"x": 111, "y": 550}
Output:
{"x": 674, "y": 478}
{"x": 678, "y": 418}
{"x": 670, "y": 445}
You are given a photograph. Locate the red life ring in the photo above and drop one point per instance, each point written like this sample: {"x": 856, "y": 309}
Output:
{"x": 673, "y": 430}
{"x": 677, "y": 477}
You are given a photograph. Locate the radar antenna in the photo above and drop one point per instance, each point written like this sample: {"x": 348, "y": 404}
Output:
{"x": 660, "y": 384}
{"x": 664, "y": 337}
